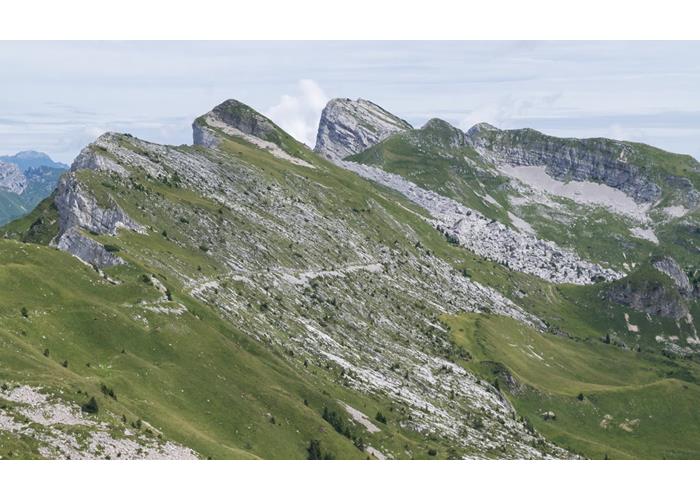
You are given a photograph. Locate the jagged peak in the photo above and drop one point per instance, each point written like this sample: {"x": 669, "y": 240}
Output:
{"x": 357, "y": 106}
{"x": 350, "y": 126}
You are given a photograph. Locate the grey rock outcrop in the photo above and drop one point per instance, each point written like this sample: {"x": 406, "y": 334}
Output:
{"x": 489, "y": 238}
{"x": 77, "y": 207}
{"x": 670, "y": 268}
{"x": 79, "y": 210}
{"x": 11, "y": 178}
{"x": 651, "y": 297}
{"x": 202, "y": 135}
{"x": 91, "y": 159}
{"x": 348, "y": 127}
{"x": 603, "y": 161}
{"x": 86, "y": 249}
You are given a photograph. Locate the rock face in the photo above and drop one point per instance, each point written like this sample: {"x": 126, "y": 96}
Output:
{"x": 670, "y": 268}
{"x": 11, "y": 178}
{"x": 603, "y": 161}
{"x": 77, "y": 207}
{"x": 649, "y": 297}
{"x": 91, "y": 159}
{"x": 655, "y": 296}
{"x": 86, "y": 249}
{"x": 348, "y": 127}
{"x": 79, "y": 210}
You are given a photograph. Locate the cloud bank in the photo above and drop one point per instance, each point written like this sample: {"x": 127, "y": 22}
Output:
{"x": 57, "y": 95}
{"x": 300, "y": 113}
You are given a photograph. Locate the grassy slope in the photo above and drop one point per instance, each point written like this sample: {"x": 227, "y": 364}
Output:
{"x": 208, "y": 386}
{"x": 198, "y": 379}
{"x": 625, "y": 385}
{"x": 418, "y": 156}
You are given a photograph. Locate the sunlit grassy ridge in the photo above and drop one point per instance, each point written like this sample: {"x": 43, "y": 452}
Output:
{"x": 651, "y": 407}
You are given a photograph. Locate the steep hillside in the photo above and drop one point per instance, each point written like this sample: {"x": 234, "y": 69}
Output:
{"x": 252, "y": 237}
{"x": 247, "y": 298}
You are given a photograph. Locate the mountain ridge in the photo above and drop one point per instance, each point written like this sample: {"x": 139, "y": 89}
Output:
{"x": 308, "y": 299}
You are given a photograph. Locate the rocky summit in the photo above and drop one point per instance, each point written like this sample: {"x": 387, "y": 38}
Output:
{"x": 395, "y": 293}
{"x": 348, "y": 127}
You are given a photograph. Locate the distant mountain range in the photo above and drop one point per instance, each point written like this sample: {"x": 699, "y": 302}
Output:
{"x": 32, "y": 159}
{"x": 25, "y": 179}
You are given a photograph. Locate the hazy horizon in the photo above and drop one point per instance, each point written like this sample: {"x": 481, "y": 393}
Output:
{"x": 62, "y": 95}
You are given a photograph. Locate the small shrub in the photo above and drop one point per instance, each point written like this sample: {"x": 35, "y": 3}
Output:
{"x": 359, "y": 443}
{"x": 452, "y": 239}
{"x": 111, "y": 248}
{"x": 91, "y": 406}
{"x": 314, "y": 450}
{"x": 380, "y": 418}
{"x": 24, "y": 312}
{"x": 46, "y": 352}
{"x": 108, "y": 391}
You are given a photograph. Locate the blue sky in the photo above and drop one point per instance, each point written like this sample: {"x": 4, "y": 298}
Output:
{"x": 58, "y": 96}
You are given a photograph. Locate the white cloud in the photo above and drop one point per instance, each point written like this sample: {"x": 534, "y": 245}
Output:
{"x": 299, "y": 114}
{"x": 507, "y": 109}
